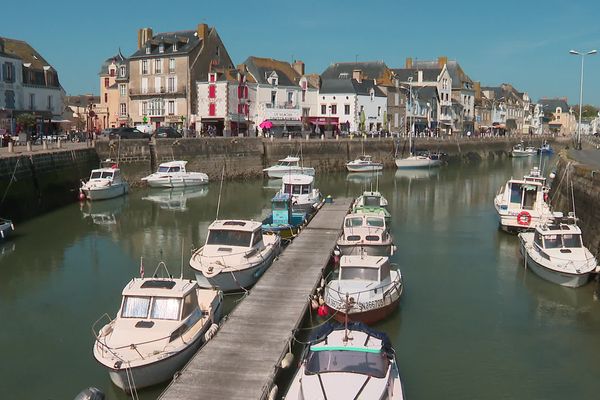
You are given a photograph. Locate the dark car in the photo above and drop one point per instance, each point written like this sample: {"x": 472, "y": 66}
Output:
{"x": 128, "y": 133}
{"x": 167, "y": 132}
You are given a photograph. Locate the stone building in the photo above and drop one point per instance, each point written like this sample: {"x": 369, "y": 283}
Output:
{"x": 561, "y": 117}
{"x": 114, "y": 97}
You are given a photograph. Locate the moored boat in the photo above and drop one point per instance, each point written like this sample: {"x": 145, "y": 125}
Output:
{"x": 370, "y": 199}
{"x": 305, "y": 197}
{"x": 554, "y": 251}
{"x": 347, "y": 362}
{"x": 365, "y": 234}
{"x": 104, "y": 183}
{"x": 521, "y": 204}
{"x": 421, "y": 159}
{"x": 282, "y": 220}
{"x": 545, "y": 148}
{"x": 160, "y": 325}
{"x": 235, "y": 255}
{"x": 364, "y": 288}
{"x": 287, "y": 166}
{"x": 519, "y": 150}
{"x": 6, "y": 228}
{"x": 173, "y": 174}
{"x": 364, "y": 163}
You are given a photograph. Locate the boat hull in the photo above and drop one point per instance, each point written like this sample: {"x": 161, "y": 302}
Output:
{"x": 367, "y": 317}
{"x": 6, "y": 229}
{"x": 238, "y": 280}
{"x": 364, "y": 168}
{"x": 104, "y": 193}
{"x": 417, "y": 163}
{"x": 175, "y": 182}
{"x": 370, "y": 250}
{"x": 522, "y": 153}
{"x": 557, "y": 277}
{"x": 280, "y": 173}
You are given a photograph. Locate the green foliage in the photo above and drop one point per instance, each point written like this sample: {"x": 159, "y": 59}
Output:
{"x": 587, "y": 111}
{"x": 26, "y": 120}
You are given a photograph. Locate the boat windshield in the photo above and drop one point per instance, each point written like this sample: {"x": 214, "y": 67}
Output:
{"x": 135, "y": 307}
{"x": 283, "y": 163}
{"x": 377, "y": 222}
{"x": 353, "y": 222}
{"x": 371, "y": 201}
{"x": 296, "y": 189}
{"x": 571, "y": 241}
{"x": 107, "y": 175}
{"x": 552, "y": 242}
{"x": 174, "y": 169}
{"x": 279, "y": 205}
{"x": 165, "y": 308}
{"x": 95, "y": 175}
{"x": 229, "y": 238}
{"x": 351, "y": 361}
{"x": 163, "y": 169}
{"x": 359, "y": 273}
{"x": 566, "y": 240}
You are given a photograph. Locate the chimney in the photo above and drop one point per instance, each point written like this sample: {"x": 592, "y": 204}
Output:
{"x": 357, "y": 75}
{"x": 144, "y": 34}
{"x": 477, "y": 87}
{"x": 442, "y": 60}
{"x": 408, "y": 63}
{"x": 202, "y": 31}
{"x": 298, "y": 66}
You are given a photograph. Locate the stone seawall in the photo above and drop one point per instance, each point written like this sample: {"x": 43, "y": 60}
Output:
{"x": 246, "y": 157}
{"x": 585, "y": 182}
{"x": 33, "y": 184}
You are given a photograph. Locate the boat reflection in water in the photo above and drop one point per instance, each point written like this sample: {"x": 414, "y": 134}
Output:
{"x": 417, "y": 173}
{"x": 175, "y": 199}
{"x": 363, "y": 177}
{"x": 103, "y": 212}
{"x": 272, "y": 184}
{"x": 6, "y": 248}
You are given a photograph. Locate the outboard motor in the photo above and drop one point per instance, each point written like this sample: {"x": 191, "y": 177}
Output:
{"x": 90, "y": 393}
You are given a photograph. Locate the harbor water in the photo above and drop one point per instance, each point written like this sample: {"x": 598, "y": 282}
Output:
{"x": 472, "y": 323}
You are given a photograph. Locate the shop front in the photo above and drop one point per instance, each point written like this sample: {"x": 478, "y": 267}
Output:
{"x": 320, "y": 125}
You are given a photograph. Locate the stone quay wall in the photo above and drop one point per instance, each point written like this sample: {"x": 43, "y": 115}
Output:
{"x": 36, "y": 183}
{"x": 585, "y": 183}
{"x": 240, "y": 158}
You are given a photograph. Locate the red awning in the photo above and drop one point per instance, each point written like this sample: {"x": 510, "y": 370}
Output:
{"x": 323, "y": 120}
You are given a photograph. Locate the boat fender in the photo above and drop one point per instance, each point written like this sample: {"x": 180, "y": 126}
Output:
{"x": 552, "y": 175}
{"x": 210, "y": 333}
{"x": 546, "y": 197}
{"x": 322, "y": 282}
{"x": 321, "y": 301}
{"x": 90, "y": 393}
{"x": 81, "y": 196}
{"x": 287, "y": 361}
{"x": 273, "y": 393}
{"x": 322, "y": 311}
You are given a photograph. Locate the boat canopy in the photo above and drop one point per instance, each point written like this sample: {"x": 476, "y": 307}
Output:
{"x": 104, "y": 173}
{"x": 172, "y": 166}
{"x": 320, "y": 334}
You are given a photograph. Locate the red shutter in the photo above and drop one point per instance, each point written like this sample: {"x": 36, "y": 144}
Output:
{"x": 212, "y": 109}
{"x": 240, "y": 91}
{"x": 245, "y": 92}
{"x": 212, "y": 91}
{"x": 247, "y": 108}
{"x": 240, "y": 108}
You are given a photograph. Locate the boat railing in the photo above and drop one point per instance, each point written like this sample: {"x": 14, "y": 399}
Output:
{"x": 355, "y": 296}
{"x": 221, "y": 261}
{"x": 588, "y": 261}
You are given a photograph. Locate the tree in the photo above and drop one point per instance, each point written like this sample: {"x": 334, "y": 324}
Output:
{"x": 588, "y": 111}
{"x": 26, "y": 120}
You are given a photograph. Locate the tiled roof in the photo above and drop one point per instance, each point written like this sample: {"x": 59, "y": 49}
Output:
{"x": 332, "y": 86}
{"x": 459, "y": 77}
{"x": 553, "y": 104}
{"x": 429, "y": 75}
{"x": 186, "y": 41}
{"x": 81, "y": 100}
{"x": 369, "y": 69}
{"x": 261, "y": 68}
{"x": 117, "y": 59}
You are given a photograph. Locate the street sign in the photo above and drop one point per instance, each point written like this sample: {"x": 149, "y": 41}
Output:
{"x": 145, "y": 119}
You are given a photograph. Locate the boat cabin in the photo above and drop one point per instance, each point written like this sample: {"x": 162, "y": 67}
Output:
{"x": 155, "y": 299}
{"x": 365, "y": 228}
{"x": 281, "y": 208}
{"x": 561, "y": 234}
{"x": 371, "y": 199}
{"x": 364, "y": 268}
{"x": 289, "y": 162}
{"x": 112, "y": 174}
{"x": 297, "y": 184}
{"x": 522, "y": 195}
{"x": 234, "y": 233}
{"x": 171, "y": 167}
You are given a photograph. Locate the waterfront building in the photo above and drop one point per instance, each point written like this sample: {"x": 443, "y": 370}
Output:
{"x": 509, "y": 107}
{"x": 561, "y": 117}
{"x": 28, "y": 84}
{"x": 163, "y": 72}
{"x": 114, "y": 95}
{"x": 86, "y": 113}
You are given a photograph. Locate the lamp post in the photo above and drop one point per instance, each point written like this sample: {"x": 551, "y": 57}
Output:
{"x": 582, "y": 54}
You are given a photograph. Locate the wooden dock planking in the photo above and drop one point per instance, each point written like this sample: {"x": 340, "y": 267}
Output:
{"x": 241, "y": 361}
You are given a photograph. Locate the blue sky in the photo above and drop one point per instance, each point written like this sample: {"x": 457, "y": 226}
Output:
{"x": 525, "y": 43}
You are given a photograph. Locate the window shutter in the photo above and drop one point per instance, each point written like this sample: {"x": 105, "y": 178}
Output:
{"x": 211, "y": 109}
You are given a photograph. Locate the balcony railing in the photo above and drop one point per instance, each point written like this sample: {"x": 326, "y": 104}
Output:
{"x": 286, "y": 106}
{"x": 181, "y": 91}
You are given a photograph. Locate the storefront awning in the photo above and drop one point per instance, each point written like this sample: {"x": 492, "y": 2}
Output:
{"x": 286, "y": 123}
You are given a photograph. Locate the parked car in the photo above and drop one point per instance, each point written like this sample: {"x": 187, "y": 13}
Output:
{"x": 167, "y": 132}
{"x": 128, "y": 133}
{"x": 106, "y": 132}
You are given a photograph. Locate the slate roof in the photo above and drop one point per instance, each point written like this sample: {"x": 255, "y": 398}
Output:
{"x": 506, "y": 91}
{"x": 459, "y": 77}
{"x": 333, "y": 86}
{"x": 424, "y": 93}
{"x": 81, "y": 100}
{"x": 552, "y": 104}
{"x": 260, "y": 69}
{"x": 117, "y": 59}
{"x": 370, "y": 70}
{"x": 23, "y": 50}
{"x": 186, "y": 41}
{"x": 429, "y": 75}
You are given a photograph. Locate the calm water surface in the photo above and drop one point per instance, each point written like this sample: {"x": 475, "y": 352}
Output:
{"x": 473, "y": 324}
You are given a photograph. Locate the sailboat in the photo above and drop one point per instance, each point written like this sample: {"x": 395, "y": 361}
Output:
{"x": 364, "y": 163}
{"x": 420, "y": 159}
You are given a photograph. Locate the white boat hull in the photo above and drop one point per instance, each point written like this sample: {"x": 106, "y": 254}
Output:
{"x": 6, "y": 228}
{"x": 517, "y": 153}
{"x": 281, "y": 172}
{"x": 417, "y": 162}
{"x": 103, "y": 193}
{"x": 176, "y": 182}
{"x": 235, "y": 280}
{"x": 364, "y": 168}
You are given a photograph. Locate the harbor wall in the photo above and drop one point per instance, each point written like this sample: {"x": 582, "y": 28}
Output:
{"x": 585, "y": 183}
{"x": 33, "y": 184}
{"x": 241, "y": 158}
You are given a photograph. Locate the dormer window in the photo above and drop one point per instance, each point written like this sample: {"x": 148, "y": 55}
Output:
{"x": 344, "y": 75}
{"x": 161, "y": 48}
{"x": 175, "y": 46}
{"x": 372, "y": 94}
{"x": 122, "y": 71}
{"x": 148, "y": 49}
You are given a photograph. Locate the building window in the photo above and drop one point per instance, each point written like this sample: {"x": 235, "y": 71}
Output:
{"x": 122, "y": 89}
{"x": 49, "y": 102}
{"x": 32, "y": 101}
{"x": 171, "y": 65}
{"x": 171, "y": 107}
{"x": 273, "y": 97}
{"x": 158, "y": 66}
{"x": 122, "y": 71}
{"x": 9, "y": 96}
{"x": 144, "y": 108}
{"x": 148, "y": 49}
{"x": 171, "y": 84}
{"x": 161, "y": 48}
{"x": 212, "y": 109}
{"x": 346, "y": 109}
{"x": 9, "y": 72}
{"x": 323, "y": 109}
{"x": 112, "y": 72}
{"x": 379, "y": 111}
{"x": 156, "y": 107}
{"x": 144, "y": 85}
{"x": 122, "y": 109}
{"x": 334, "y": 109}
{"x": 106, "y": 82}
{"x": 303, "y": 95}
{"x": 290, "y": 97}
{"x": 144, "y": 67}
{"x": 175, "y": 46}
{"x": 106, "y": 97}
{"x": 212, "y": 91}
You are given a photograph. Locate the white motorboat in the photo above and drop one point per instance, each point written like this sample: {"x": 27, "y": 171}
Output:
{"x": 422, "y": 159}
{"x": 519, "y": 150}
{"x": 521, "y": 204}
{"x": 364, "y": 288}
{"x": 364, "y": 163}
{"x": 6, "y": 228}
{"x": 370, "y": 199}
{"x": 287, "y": 166}
{"x": 175, "y": 199}
{"x": 104, "y": 183}
{"x": 353, "y": 362}
{"x": 235, "y": 255}
{"x": 301, "y": 187}
{"x": 173, "y": 174}
{"x": 161, "y": 324}
{"x": 555, "y": 252}
{"x": 365, "y": 234}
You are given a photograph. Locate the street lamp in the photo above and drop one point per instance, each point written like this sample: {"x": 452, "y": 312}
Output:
{"x": 582, "y": 54}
